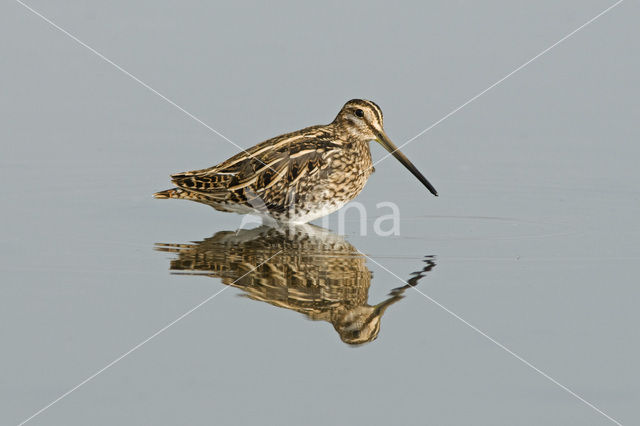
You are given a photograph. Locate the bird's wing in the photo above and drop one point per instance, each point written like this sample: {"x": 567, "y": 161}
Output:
{"x": 284, "y": 159}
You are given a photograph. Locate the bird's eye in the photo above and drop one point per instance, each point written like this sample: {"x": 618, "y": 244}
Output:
{"x": 359, "y": 113}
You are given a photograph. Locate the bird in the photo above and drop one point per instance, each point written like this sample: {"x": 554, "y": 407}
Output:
{"x": 299, "y": 176}
{"x": 303, "y": 268}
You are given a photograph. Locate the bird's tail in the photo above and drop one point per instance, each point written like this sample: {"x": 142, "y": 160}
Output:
{"x": 185, "y": 194}
{"x": 174, "y": 193}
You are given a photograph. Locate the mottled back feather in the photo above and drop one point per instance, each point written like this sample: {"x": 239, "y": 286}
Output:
{"x": 282, "y": 161}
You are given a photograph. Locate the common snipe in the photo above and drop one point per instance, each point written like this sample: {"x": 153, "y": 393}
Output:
{"x": 303, "y": 268}
{"x": 299, "y": 176}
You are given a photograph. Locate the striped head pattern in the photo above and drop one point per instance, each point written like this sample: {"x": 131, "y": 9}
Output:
{"x": 362, "y": 119}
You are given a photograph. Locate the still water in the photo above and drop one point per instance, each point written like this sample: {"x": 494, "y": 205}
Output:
{"x": 531, "y": 249}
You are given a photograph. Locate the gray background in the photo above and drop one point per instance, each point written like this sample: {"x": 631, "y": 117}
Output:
{"x": 535, "y": 231}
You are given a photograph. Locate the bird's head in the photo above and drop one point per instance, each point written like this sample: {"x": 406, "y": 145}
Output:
{"x": 362, "y": 120}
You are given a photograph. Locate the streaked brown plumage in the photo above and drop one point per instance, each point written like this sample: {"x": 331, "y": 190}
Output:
{"x": 303, "y": 268}
{"x": 298, "y": 176}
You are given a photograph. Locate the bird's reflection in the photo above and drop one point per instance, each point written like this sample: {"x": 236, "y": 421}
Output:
{"x": 303, "y": 268}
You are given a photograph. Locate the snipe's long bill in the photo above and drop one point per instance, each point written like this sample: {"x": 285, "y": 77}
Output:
{"x": 296, "y": 177}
